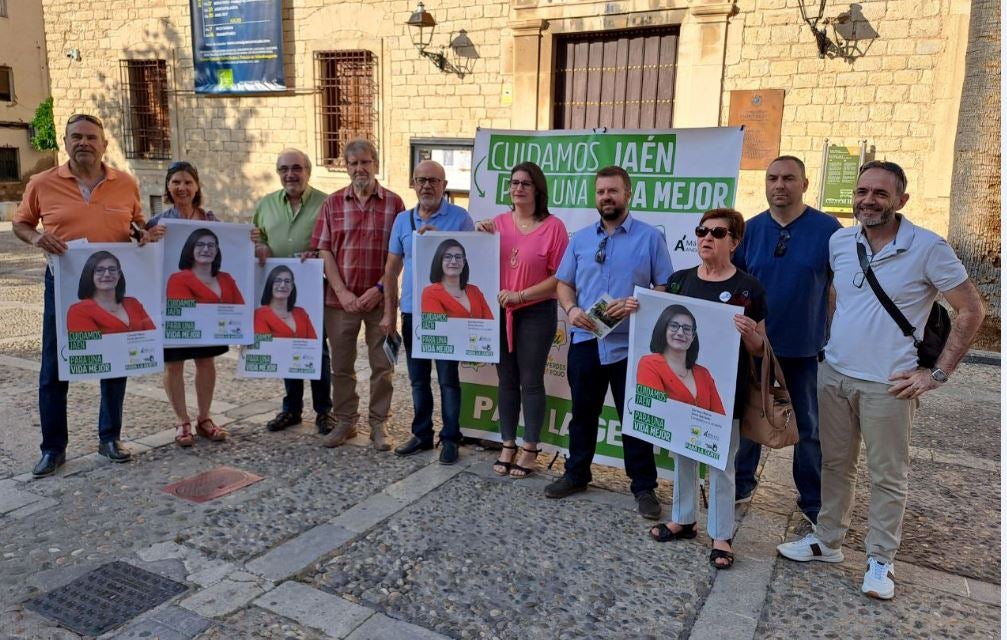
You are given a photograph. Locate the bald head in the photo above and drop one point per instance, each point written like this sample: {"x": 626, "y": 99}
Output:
{"x": 429, "y": 184}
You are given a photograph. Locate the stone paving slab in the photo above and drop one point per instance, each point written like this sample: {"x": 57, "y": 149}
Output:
{"x": 952, "y": 525}
{"x": 166, "y": 623}
{"x": 227, "y": 596}
{"x": 482, "y": 558}
{"x": 330, "y": 614}
{"x": 254, "y": 623}
{"x": 814, "y": 600}
{"x": 381, "y": 627}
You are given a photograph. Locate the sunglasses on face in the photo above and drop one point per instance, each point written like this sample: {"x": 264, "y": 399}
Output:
{"x": 781, "y": 244}
{"x": 717, "y": 232}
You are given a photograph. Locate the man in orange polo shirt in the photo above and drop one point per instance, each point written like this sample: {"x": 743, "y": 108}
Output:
{"x": 83, "y": 198}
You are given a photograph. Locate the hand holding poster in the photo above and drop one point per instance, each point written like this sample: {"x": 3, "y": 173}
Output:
{"x": 679, "y": 390}
{"x": 105, "y": 327}
{"x": 459, "y": 317}
{"x": 208, "y": 283}
{"x": 288, "y": 322}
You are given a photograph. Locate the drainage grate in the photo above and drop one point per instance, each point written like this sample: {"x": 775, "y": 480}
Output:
{"x": 105, "y": 598}
{"x": 211, "y": 484}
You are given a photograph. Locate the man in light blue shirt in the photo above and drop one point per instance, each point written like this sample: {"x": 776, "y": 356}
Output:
{"x": 431, "y": 213}
{"x": 609, "y": 257}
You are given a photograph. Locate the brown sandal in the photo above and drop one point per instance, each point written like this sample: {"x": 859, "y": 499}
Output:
{"x": 183, "y": 435}
{"x": 211, "y": 432}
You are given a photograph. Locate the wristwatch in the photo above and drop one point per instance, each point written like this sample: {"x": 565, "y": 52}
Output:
{"x": 937, "y": 374}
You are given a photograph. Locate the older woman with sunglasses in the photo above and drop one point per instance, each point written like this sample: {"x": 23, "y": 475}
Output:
{"x": 716, "y": 279}
{"x": 532, "y": 242}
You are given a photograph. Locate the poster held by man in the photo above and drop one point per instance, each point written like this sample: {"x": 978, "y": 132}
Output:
{"x": 208, "y": 283}
{"x": 684, "y": 413}
{"x": 108, "y": 326}
{"x": 287, "y": 322}
{"x": 456, "y": 280}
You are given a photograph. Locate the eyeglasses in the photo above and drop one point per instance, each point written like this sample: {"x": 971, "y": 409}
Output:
{"x": 599, "y": 255}
{"x": 717, "y": 232}
{"x": 291, "y": 169}
{"x": 781, "y": 244}
{"x": 77, "y": 117}
{"x": 112, "y": 271}
{"x": 675, "y": 327}
{"x": 454, "y": 257}
{"x": 206, "y": 245}
{"x": 524, "y": 184}
{"x": 433, "y": 182}
{"x": 283, "y": 281}
{"x": 890, "y": 167}
{"x": 858, "y": 279}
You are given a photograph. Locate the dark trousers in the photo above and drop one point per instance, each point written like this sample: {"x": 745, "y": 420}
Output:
{"x": 801, "y": 375}
{"x": 522, "y": 371}
{"x": 589, "y": 383}
{"x": 52, "y": 391}
{"x": 321, "y": 389}
{"x": 423, "y": 397}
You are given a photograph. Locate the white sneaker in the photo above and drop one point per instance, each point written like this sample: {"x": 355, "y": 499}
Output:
{"x": 809, "y": 548}
{"x": 878, "y": 581}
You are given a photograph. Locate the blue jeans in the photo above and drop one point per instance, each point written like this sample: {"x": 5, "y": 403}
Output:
{"x": 423, "y": 398}
{"x": 52, "y": 391}
{"x": 589, "y": 382}
{"x": 321, "y": 389}
{"x": 801, "y": 375}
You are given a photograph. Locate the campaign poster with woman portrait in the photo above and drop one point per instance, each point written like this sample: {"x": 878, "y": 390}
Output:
{"x": 208, "y": 283}
{"x": 683, "y": 361}
{"x": 108, "y": 317}
{"x": 456, "y": 278}
{"x": 288, "y": 321}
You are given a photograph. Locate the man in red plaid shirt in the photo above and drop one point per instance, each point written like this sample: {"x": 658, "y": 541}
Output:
{"x": 351, "y": 236}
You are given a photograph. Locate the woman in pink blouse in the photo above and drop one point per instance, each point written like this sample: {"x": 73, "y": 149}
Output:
{"x": 532, "y": 243}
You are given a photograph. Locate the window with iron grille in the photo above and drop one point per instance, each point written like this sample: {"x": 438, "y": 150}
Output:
{"x": 346, "y": 101}
{"x": 6, "y": 84}
{"x": 145, "y": 123}
{"x": 10, "y": 165}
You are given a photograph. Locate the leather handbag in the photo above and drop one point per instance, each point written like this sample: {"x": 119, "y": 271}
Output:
{"x": 769, "y": 415}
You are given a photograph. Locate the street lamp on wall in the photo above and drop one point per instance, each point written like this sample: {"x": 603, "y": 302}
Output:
{"x": 852, "y": 33}
{"x": 463, "y": 52}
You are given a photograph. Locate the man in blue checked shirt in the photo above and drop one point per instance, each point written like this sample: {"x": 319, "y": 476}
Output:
{"x": 609, "y": 257}
{"x": 431, "y": 213}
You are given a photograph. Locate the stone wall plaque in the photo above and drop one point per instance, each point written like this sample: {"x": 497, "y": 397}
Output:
{"x": 761, "y": 113}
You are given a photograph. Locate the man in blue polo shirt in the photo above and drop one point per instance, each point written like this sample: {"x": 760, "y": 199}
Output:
{"x": 787, "y": 248}
{"x": 431, "y": 213}
{"x": 611, "y": 257}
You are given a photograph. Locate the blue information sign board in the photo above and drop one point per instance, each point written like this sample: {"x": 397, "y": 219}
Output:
{"x": 237, "y": 46}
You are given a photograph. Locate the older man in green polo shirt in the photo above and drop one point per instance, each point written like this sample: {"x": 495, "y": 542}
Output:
{"x": 285, "y": 220}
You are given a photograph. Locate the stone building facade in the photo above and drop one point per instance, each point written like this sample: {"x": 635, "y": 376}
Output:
{"x": 902, "y": 96}
{"x": 24, "y": 84}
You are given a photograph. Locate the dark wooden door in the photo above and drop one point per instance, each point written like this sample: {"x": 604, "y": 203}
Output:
{"x": 620, "y": 80}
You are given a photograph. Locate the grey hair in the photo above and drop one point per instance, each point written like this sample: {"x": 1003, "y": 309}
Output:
{"x": 357, "y": 145}
{"x": 307, "y": 160}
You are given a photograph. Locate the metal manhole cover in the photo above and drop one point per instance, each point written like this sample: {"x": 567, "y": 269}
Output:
{"x": 211, "y": 484}
{"x": 105, "y": 598}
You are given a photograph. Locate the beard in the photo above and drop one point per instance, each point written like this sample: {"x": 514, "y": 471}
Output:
{"x": 614, "y": 214}
{"x": 884, "y": 216}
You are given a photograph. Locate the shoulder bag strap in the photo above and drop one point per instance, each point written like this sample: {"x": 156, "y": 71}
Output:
{"x": 412, "y": 219}
{"x": 907, "y": 329}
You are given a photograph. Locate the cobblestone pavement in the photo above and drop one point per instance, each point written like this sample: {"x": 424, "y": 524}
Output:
{"x": 353, "y": 543}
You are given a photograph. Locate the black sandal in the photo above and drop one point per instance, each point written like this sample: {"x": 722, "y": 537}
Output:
{"x": 526, "y": 471}
{"x": 718, "y": 554}
{"x": 501, "y": 463}
{"x": 664, "y": 533}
